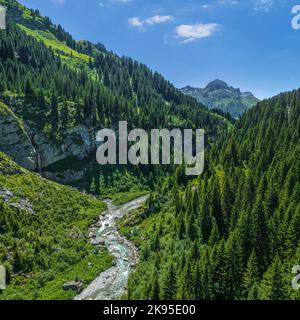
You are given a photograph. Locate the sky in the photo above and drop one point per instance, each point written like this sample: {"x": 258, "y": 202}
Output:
{"x": 250, "y": 44}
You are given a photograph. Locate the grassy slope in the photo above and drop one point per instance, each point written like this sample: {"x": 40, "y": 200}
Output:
{"x": 50, "y": 41}
{"x": 62, "y": 218}
{"x": 35, "y": 27}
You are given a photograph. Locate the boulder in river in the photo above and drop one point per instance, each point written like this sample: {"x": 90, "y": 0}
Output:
{"x": 91, "y": 235}
{"x": 98, "y": 242}
{"x": 98, "y": 224}
{"x": 121, "y": 241}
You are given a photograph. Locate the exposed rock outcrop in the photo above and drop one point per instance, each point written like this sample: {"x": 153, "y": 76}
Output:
{"x": 33, "y": 150}
{"x": 78, "y": 142}
{"x": 65, "y": 177}
{"x": 73, "y": 285}
{"x": 14, "y": 141}
{"x": 23, "y": 204}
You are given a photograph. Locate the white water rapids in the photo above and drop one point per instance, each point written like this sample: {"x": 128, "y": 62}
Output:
{"x": 112, "y": 283}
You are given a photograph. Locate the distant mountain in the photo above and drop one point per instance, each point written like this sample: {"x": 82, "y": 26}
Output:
{"x": 217, "y": 94}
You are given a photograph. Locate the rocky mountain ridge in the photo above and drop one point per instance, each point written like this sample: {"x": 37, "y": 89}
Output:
{"x": 219, "y": 95}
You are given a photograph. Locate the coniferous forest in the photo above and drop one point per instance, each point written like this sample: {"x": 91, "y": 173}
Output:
{"x": 232, "y": 233}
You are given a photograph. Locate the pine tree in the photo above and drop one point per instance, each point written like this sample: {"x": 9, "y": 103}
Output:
{"x": 214, "y": 235}
{"x": 191, "y": 229}
{"x": 170, "y": 284}
{"x": 181, "y": 227}
{"x": 251, "y": 278}
{"x": 155, "y": 290}
{"x": 64, "y": 115}
{"x": 205, "y": 220}
{"x": 54, "y": 112}
{"x": 262, "y": 241}
{"x": 234, "y": 268}
{"x": 273, "y": 286}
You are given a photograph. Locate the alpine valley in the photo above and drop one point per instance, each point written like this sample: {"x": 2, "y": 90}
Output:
{"x": 231, "y": 233}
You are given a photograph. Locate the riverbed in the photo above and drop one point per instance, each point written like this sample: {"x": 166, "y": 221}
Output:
{"x": 112, "y": 283}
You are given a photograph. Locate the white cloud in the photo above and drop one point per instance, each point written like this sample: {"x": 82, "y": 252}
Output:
{"x": 264, "y": 5}
{"x": 258, "y": 5}
{"x": 192, "y": 32}
{"x": 230, "y": 2}
{"x": 135, "y": 22}
{"x": 157, "y": 19}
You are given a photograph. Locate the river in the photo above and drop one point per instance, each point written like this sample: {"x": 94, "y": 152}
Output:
{"x": 112, "y": 283}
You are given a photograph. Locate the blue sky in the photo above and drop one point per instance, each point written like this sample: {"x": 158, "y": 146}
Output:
{"x": 248, "y": 43}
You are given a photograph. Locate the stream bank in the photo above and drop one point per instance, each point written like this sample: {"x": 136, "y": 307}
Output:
{"x": 112, "y": 284}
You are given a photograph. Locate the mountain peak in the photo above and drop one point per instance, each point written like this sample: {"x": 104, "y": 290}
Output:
{"x": 189, "y": 90}
{"x": 217, "y": 85}
{"x": 219, "y": 95}
{"x": 188, "y": 87}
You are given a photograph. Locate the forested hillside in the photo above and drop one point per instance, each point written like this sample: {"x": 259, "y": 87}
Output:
{"x": 234, "y": 232}
{"x": 64, "y": 90}
{"x": 55, "y": 93}
{"x": 43, "y": 228}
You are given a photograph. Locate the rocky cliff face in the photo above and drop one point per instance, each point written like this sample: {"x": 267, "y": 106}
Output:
{"x": 33, "y": 150}
{"x": 78, "y": 142}
{"x": 14, "y": 140}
